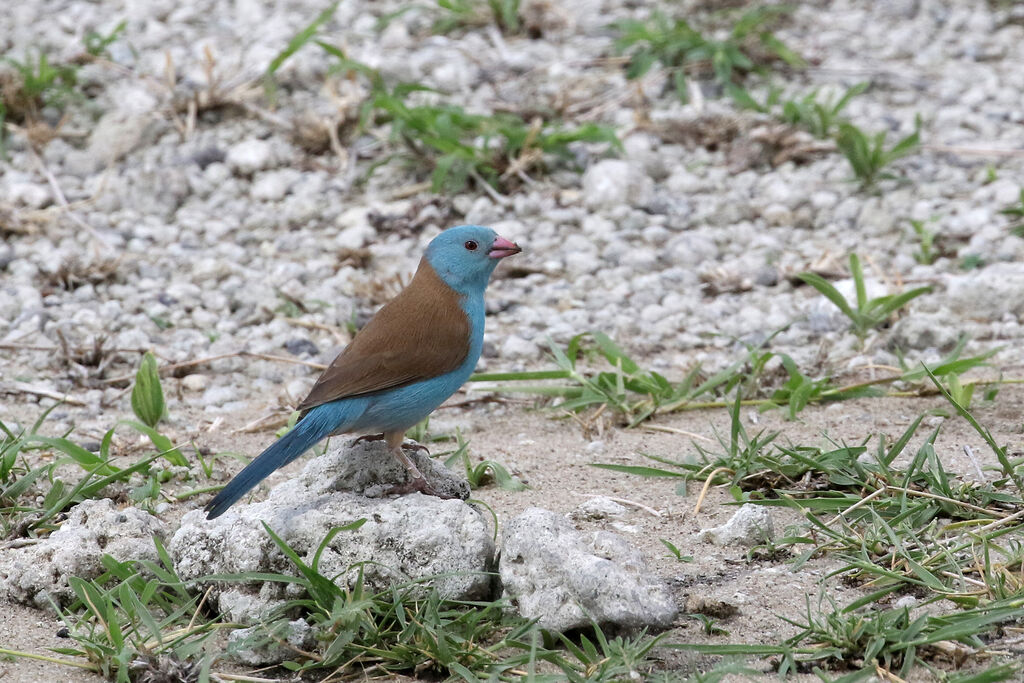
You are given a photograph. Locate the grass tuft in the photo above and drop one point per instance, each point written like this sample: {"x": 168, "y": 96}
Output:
{"x": 864, "y": 314}
{"x": 683, "y": 50}
{"x": 1016, "y": 214}
{"x": 868, "y": 155}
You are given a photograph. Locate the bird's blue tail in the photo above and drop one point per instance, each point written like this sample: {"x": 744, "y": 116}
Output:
{"x": 316, "y": 425}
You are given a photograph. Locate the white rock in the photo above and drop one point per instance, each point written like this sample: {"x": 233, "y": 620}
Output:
{"x": 908, "y": 601}
{"x": 120, "y": 132}
{"x": 777, "y": 214}
{"x": 195, "y": 382}
{"x": 32, "y": 195}
{"x": 516, "y": 347}
{"x": 250, "y": 156}
{"x": 93, "y": 528}
{"x": 250, "y": 645}
{"x": 218, "y": 395}
{"x": 566, "y": 580}
{"x": 410, "y": 537}
{"x": 988, "y": 293}
{"x": 925, "y": 331}
{"x": 598, "y": 507}
{"x": 751, "y": 525}
{"x": 273, "y": 185}
{"x": 597, "y": 225}
{"x": 355, "y": 237}
{"x": 613, "y": 182}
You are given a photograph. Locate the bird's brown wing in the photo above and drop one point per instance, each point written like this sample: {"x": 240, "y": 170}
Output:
{"x": 421, "y": 333}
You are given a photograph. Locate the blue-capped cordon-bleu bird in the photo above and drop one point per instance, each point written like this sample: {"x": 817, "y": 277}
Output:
{"x": 412, "y": 355}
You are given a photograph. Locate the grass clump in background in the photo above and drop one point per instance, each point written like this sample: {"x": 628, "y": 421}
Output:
{"x": 454, "y": 147}
{"x": 684, "y": 51}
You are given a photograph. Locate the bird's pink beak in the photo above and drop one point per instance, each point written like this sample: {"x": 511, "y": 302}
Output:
{"x": 502, "y": 248}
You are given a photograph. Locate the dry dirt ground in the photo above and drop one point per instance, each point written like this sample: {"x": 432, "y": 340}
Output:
{"x": 554, "y": 456}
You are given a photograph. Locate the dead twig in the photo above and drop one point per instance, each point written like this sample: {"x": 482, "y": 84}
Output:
{"x": 486, "y": 187}
{"x": 625, "y": 501}
{"x": 164, "y": 369}
{"x": 974, "y": 151}
{"x": 974, "y": 461}
{"x": 62, "y": 200}
{"x": 36, "y": 390}
{"x": 410, "y": 190}
{"x": 337, "y": 332}
{"x": 673, "y": 430}
{"x": 707, "y": 485}
{"x": 273, "y": 419}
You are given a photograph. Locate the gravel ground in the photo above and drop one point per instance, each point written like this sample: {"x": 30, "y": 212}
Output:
{"x": 205, "y": 232}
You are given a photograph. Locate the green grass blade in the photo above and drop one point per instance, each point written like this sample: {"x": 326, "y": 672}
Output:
{"x": 639, "y": 470}
{"x": 829, "y": 292}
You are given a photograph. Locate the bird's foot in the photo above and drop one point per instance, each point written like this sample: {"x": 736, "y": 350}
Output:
{"x": 416, "y": 447}
{"x": 416, "y": 484}
{"x": 380, "y": 437}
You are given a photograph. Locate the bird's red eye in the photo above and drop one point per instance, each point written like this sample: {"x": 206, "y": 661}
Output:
{"x": 471, "y": 245}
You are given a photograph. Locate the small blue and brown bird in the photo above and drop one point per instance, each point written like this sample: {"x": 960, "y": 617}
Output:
{"x": 412, "y": 355}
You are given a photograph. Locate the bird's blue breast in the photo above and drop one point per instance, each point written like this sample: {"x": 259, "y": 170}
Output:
{"x": 403, "y": 407}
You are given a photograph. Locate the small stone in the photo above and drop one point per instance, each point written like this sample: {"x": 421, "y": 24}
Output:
{"x": 596, "y": 225}
{"x": 598, "y": 507}
{"x": 613, "y": 182}
{"x": 250, "y": 156}
{"x": 209, "y": 155}
{"x": 751, "y": 525}
{"x": 272, "y": 186}
{"x": 699, "y": 604}
{"x": 1005, "y": 192}
{"x": 354, "y": 237}
{"x": 823, "y": 199}
{"x": 216, "y": 396}
{"x": 516, "y": 347}
{"x": 32, "y": 195}
{"x": 120, "y": 132}
{"x": 906, "y": 601}
{"x": 988, "y": 293}
{"x": 196, "y": 382}
{"x": 250, "y": 645}
{"x": 767, "y": 276}
{"x": 483, "y": 212}
{"x": 301, "y": 346}
{"x": 777, "y": 214}
{"x": 925, "y": 331}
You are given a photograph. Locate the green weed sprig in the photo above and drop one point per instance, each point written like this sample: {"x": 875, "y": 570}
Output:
{"x": 681, "y": 49}
{"x": 864, "y": 314}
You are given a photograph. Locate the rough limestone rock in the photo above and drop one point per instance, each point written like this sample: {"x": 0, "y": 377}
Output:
{"x": 252, "y": 646}
{"x": 407, "y": 537}
{"x": 39, "y": 573}
{"x": 751, "y": 525}
{"x": 987, "y": 294}
{"x": 566, "y": 580}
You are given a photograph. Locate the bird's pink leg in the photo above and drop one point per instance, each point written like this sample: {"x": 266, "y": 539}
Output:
{"x": 417, "y": 482}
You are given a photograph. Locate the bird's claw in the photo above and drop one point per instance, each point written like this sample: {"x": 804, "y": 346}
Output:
{"x": 415, "y": 484}
{"x": 380, "y": 437}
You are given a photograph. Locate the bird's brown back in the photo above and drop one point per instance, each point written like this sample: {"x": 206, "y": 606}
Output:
{"x": 421, "y": 333}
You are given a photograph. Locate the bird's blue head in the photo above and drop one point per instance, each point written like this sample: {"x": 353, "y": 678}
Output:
{"x": 465, "y": 256}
